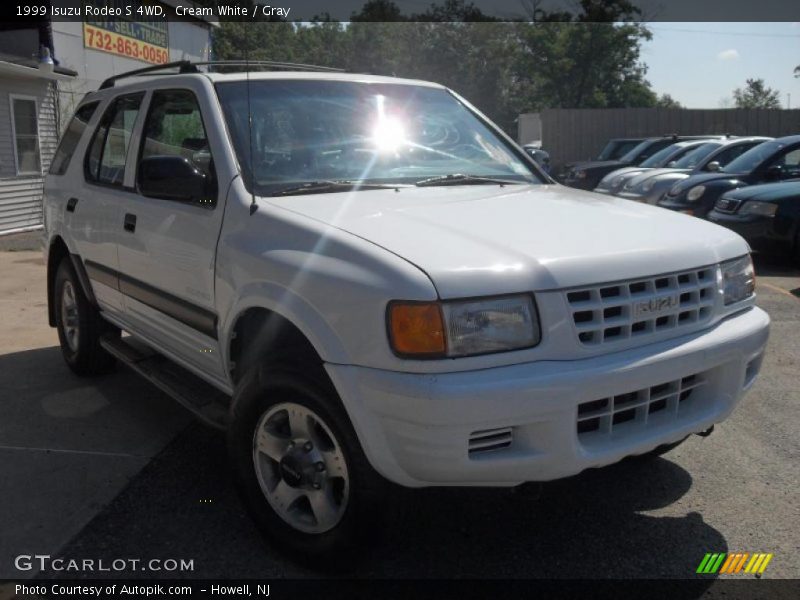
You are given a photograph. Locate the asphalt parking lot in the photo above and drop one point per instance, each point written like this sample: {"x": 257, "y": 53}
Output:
{"x": 113, "y": 468}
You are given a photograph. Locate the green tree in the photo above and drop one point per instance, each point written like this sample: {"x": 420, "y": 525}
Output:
{"x": 582, "y": 65}
{"x": 667, "y": 101}
{"x": 503, "y": 68}
{"x": 755, "y": 94}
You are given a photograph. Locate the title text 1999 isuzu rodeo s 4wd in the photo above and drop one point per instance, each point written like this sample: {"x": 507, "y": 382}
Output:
{"x": 365, "y": 281}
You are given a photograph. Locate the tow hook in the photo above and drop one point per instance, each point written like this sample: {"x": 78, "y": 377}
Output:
{"x": 706, "y": 433}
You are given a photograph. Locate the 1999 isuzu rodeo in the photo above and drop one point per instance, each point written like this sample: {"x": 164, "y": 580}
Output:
{"x": 363, "y": 280}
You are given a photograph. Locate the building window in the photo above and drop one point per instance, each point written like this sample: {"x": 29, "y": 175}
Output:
{"x": 25, "y": 131}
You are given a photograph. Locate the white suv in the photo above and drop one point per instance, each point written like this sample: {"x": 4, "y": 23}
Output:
{"x": 364, "y": 281}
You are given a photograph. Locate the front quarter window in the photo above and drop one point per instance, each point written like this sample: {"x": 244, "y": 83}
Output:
{"x": 306, "y": 131}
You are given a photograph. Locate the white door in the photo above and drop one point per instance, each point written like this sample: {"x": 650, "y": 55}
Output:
{"x": 167, "y": 252}
{"x": 93, "y": 191}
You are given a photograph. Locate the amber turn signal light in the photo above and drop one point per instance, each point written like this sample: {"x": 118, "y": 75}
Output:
{"x": 416, "y": 328}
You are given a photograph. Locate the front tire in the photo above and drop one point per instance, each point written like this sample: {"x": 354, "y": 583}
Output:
{"x": 300, "y": 468}
{"x": 80, "y": 326}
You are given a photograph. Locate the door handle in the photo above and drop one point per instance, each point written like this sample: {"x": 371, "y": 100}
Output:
{"x": 71, "y": 204}
{"x": 130, "y": 222}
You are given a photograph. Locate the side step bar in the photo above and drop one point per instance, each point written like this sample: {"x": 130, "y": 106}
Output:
{"x": 208, "y": 403}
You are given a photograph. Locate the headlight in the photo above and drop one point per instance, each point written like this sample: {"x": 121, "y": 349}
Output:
{"x": 580, "y": 174}
{"x": 617, "y": 181}
{"x": 695, "y": 193}
{"x": 738, "y": 279}
{"x": 764, "y": 209}
{"x": 648, "y": 185}
{"x": 462, "y": 328}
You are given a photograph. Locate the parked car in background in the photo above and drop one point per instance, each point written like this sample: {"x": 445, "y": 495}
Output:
{"x": 541, "y": 157}
{"x": 767, "y": 216}
{"x": 618, "y": 147}
{"x": 651, "y": 185}
{"x": 614, "y": 181}
{"x": 766, "y": 163}
{"x": 586, "y": 175}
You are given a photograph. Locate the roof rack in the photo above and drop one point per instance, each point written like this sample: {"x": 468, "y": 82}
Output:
{"x": 187, "y": 66}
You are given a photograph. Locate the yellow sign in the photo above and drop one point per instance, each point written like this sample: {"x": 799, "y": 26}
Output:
{"x": 112, "y": 42}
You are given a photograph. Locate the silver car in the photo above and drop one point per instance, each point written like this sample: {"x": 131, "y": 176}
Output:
{"x": 648, "y": 186}
{"x": 614, "y": 181}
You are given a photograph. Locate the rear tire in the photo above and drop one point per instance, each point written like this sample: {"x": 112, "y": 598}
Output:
{"x": 300, "y": 469}
{"x": 80, "y": 325}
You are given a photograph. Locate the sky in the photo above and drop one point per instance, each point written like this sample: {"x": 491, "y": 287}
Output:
{"x": 700, "y": 64}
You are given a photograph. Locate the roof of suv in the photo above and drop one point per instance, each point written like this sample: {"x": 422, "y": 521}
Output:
{"x": 140, "y": 81}
{"x": 357, "y": 77}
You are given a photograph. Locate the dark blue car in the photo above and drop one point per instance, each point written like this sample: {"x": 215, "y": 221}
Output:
{"x": 767, "y": 216}
{"x": 769, "y": 162}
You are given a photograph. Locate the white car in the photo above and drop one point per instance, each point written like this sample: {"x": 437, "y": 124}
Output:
{"x": 364, "y": 281}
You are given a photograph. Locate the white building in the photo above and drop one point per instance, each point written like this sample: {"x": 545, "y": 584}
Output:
{"x": 47, "y": 67}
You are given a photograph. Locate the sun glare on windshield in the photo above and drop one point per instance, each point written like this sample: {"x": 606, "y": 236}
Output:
{"x": 389, "y": 134}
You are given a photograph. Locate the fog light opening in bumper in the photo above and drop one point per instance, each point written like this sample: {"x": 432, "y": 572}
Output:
{"x": 753, "y": 367}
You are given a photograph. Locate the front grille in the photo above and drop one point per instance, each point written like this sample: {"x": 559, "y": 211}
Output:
{"x": 487, "y": 440}
{"x": 637, "y": 408}
{"x": 616, "y": 312}
{"x": 727, "y": 205}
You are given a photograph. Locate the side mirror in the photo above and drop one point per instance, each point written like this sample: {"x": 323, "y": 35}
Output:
{"x": 174, "y": 178}
{"x": 713, "y": 166}
{"x": 774, "y": 172}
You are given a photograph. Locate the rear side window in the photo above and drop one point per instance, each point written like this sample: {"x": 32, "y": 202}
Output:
{"x": 727, "y": 155}
{"x": 108, "y": 152}
{"x": 174, "y": 127}
{"x": 654, "y": 147}
{"x": 71, "y": 138}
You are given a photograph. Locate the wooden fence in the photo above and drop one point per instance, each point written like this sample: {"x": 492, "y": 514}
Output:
{"x": 579, "y": 134}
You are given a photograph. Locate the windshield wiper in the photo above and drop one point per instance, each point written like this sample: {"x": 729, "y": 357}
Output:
{"x": 463, "y": 179}
{"x": 326, "y": 186}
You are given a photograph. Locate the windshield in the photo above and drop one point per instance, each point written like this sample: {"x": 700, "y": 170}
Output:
{"x": 616, "y": 148}
{"x": 634, "y": 152}
{"x": 305, "y": 131}
{"x": 752, "y": 158}
{"x": 660, "y": 158}
{"x": 696, "y": 156}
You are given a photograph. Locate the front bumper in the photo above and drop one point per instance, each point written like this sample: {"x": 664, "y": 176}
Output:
{"x": 416, "y": 429}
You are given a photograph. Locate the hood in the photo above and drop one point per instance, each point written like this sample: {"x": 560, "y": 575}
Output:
{"x": 479, "y": 240}
{"x": 625, "y": 172}
{"x": 598, "y": 164}
{"x": 660, "y": 174}
{"x": 706, "y": 178}
{"x": 767, "y": 191}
